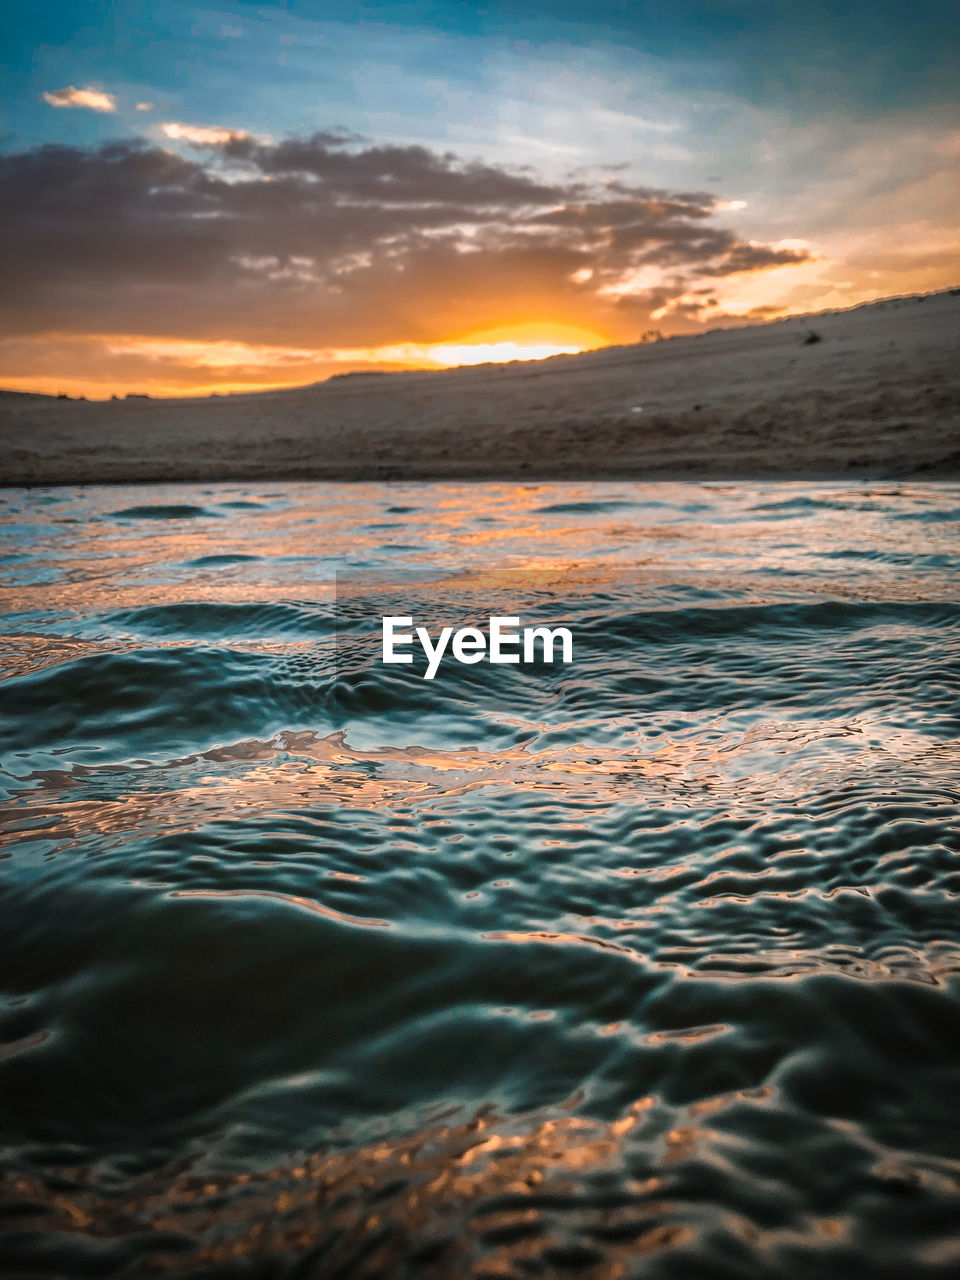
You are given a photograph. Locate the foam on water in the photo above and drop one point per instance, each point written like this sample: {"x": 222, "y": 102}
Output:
{"x": 646, "y": 965}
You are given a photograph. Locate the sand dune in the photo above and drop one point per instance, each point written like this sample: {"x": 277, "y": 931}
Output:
{"x": 877, "y": 396}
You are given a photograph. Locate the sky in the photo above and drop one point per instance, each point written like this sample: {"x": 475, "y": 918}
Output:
{"x": 212, "y": 199}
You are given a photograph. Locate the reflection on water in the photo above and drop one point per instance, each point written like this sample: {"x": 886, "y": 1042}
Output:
{"x": 646, "y": 965}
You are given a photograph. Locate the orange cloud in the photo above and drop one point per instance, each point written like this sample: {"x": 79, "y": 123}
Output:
{"x": 90, "y": 99}
{"x": 198, "y": 135}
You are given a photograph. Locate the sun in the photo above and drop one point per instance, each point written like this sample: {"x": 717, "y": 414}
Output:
{"x": 530, "y": 340}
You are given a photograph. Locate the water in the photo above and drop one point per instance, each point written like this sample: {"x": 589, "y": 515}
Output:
{"x": 643, "y": 966}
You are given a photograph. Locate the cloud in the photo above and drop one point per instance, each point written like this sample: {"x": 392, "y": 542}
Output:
{"x": 90, "y": 99}
{"x": 330, "y": 242}
{"x": 757, "y": 257}
{"x": 196, "y": 135}
{"x": 146, "y": 106}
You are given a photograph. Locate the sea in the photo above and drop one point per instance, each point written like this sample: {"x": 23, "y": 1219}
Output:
{"x": 641, "y": 965}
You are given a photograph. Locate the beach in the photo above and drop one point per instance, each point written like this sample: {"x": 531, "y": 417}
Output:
{"x": 875, "y": 394}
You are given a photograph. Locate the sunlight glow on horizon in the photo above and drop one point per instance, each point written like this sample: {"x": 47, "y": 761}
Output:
{"x": 225, "y": 367}
{"x": 520, "y": 340}
{"x": 450, "y": 355}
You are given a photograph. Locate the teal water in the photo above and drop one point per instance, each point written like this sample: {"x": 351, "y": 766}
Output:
{"x": 644, "y": 966}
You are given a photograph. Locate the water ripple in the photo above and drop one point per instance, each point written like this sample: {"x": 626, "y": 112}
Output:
{"x": 648, "y": 965}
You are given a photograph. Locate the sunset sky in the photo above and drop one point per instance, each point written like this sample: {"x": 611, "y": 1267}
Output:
{"x": 251, "y": 195}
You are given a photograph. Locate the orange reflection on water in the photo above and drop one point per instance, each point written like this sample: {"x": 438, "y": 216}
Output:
{"x": 116, "y": 548}
{"x": 483, "y": 1196}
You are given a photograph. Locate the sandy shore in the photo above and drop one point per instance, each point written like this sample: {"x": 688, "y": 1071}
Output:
{"x": 877, "y": 396}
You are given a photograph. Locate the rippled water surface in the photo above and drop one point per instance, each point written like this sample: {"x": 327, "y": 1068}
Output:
{"x": 647, "y": 965}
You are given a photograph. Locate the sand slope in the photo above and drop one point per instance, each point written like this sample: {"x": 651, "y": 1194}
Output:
{"x": 878, "y": 396}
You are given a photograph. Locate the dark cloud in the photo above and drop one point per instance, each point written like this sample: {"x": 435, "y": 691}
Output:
{"x": 328, "y": 241}
{"x": 755, "y": 257}
{"x": 403, "y": 176}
